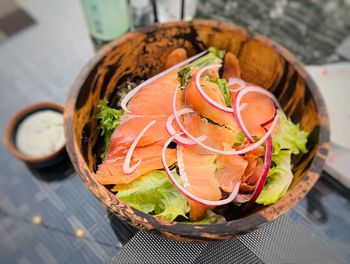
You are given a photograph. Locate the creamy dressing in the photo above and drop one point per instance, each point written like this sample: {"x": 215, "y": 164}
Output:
{"x": 40, "y": 134}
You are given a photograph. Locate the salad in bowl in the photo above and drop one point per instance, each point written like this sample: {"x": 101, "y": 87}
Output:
{"x": 196, "y": 130}
{"x": 196, "y": 140}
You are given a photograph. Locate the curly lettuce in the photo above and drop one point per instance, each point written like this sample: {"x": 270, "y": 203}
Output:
{"x": 109, "y": 118}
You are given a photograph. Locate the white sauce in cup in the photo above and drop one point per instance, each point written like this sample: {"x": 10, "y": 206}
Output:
{"x": 40, "y": 134}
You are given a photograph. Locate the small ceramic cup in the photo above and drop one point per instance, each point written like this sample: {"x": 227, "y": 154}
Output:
{"x": 11, "y": 130}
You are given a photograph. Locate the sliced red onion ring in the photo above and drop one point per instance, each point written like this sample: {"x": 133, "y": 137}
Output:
{"x": 127, "y": 98}
{"x": 237, "y": 111}
{"x": 251, "y": 198}
{"x": 204, "y": 95}
{"x": 186, "y": 192}
{"x": 171, "y": 130}
{"x": 268, "y": 121}
{"x": 181, "y": 165}
{"x": 222, "y": 152}
{"x": 126, "y": 164}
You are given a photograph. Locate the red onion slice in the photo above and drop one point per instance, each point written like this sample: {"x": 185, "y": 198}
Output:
{"x": 171, "y": 130}
{"x": 261, "y": 182}
{"x": 127, "y": 98}
{"x": 126, "y": 164}
{"x": 186, "y": 192}
{"x": 251, "y": 198}
{"x": 268, "y": 121}
{"x": 237, "y": 110}
{"x": 204, "y": 95}
{"x": 222, "y": 152}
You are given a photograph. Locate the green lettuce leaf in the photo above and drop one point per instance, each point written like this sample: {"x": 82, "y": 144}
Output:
{"x": 210, "y": 218}
{"x": 154, "y": 193}
{"x": 239, "y": 139}
{"x": 109, "y": 118}
{"x": 287, "y": 140}
{"x": 289, "y": 136}
{"x": 218, "y": 53}
{"x": 278, "y": 180}
{"x": 223, "y": 86}
{"x": 213, "y": 56}
{"x": 184, "y": 75}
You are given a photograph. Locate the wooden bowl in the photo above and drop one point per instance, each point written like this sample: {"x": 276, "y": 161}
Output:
{"x": 139, "y": 55}
{"x": 11, "y": 129}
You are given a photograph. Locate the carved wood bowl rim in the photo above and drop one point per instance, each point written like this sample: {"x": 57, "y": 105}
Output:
{"x": 186, "y": 232}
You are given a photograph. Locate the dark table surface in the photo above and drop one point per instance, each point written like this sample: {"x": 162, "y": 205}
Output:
{"x": 41, "y": 62}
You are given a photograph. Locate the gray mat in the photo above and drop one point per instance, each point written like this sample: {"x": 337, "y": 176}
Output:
{"x": 282, "y": 241}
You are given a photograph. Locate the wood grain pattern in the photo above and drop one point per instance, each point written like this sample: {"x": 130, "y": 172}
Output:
{"x": 139, "y": 55}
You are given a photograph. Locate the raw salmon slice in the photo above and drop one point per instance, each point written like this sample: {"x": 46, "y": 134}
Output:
{"x": 217, "y": 137}
{"x": 229, "y": 170}
{"x": 126, "y": 133}
{"x": 231, "y": 66}
{"x": 112, "y": 172}
{"x": 155, "y": 98}
{"x": 200, "y": 170}
{"x": 139, "y": 153}
{"x": 259, "y": 109}
{"x": 202, "y": 107}
{"x": 176, "y": 56}
{"x": 251, "y": 175}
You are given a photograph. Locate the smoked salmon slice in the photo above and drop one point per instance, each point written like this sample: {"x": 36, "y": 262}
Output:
{"x": 251, "y": 175}
{"x": 217, "y": 136}
{"x": 259, "y": 109}
{"x": 231, "y": 66}
{"x": 112, "y": 172}
{"x": 200, "y": 171}
{"x": 126, "y": 133}
{"x": 176, "y": 56}
{"x": 229, "y": 170}
{"x": 202, "y": 107}
{"x": 156, "y": 97}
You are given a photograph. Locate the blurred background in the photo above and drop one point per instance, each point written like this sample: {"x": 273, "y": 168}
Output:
{"x": 46, "y": 215}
